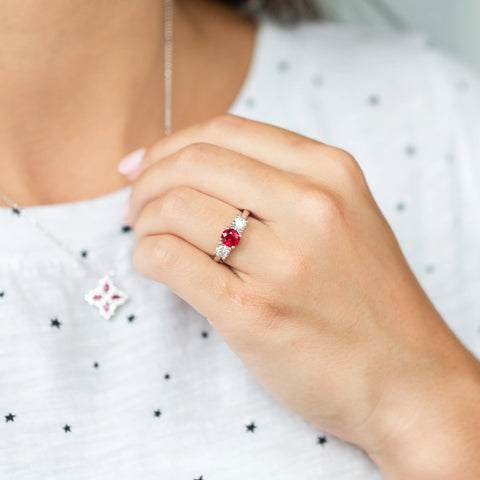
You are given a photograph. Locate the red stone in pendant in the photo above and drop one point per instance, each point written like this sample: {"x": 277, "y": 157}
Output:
{"x": 116, "y": 297}
{"x": 230, "y": 237}
{"x": 106, "y": 307}
{"x": 106, "y": 288}
{"x": 97, "y": 297}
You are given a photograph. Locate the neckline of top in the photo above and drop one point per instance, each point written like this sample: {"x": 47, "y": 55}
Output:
{"x": 84, "y": 221}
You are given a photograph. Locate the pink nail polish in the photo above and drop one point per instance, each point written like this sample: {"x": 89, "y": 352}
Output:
{"x": 131, "y": 161}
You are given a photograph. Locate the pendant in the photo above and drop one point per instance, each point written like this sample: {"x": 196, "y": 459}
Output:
{"x": 106, "y": 297}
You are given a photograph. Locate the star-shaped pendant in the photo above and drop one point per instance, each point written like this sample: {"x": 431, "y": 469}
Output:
{"x": 106, "y": 297}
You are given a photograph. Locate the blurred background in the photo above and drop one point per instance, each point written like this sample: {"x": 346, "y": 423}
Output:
{"x": 452, "y": 24}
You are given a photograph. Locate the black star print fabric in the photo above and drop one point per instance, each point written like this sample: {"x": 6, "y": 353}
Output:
{"x": 154, "y": 392}
{"x": 10, "y": 417}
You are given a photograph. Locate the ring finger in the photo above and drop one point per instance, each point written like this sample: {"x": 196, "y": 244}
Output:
{"x": 200, "y": 219}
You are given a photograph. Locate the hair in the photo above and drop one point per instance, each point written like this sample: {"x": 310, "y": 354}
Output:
{"x": 285, "y": 11}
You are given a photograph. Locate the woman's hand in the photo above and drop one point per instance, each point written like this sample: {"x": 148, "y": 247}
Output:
{"x": 317, "y": 299}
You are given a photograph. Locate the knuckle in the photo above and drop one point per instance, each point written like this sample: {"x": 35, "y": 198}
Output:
{"x": 190, "y": 155}
{"x": 330, "y": 214}
{"x": 155, "y": 254}
{"x": 318, "y": 206}
{"x": 164, "y": 252}
{"x": 173, "y": 203}
{"x": 311, "y": 147}
{"x": 217, "y": 126}
{"x": 349, "y": 169}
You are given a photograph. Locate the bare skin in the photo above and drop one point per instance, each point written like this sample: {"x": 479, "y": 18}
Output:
{"x": 81, "y": 86}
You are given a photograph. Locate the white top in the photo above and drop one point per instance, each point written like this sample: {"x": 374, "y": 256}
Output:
{"x": 155, "y": 392}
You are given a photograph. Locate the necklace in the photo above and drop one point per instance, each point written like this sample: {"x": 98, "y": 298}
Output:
{"x": 106, "y": 297}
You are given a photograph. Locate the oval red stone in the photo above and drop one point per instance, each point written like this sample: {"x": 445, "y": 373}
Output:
{"x": 230, "y": 237}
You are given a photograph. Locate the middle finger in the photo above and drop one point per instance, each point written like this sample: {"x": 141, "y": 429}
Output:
{"x": 229, "y": 176}
{"x": 200, "y": 219}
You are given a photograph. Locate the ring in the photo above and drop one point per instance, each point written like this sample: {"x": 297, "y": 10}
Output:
{"x": 231, "y": 236}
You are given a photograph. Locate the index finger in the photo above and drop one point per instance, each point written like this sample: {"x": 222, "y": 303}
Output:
{"x": 272, "y": 145}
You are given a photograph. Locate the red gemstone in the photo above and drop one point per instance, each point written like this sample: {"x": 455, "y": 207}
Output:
{"x": 116, "y": 297}
{"x": 230, "y": 237}
{"x": 106, "y": 307}
{"x": 106, "y": 287}
{"x": 97, "y": 297}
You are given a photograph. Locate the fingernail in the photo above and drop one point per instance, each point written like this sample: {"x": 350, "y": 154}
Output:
{"x": 126, "y": 209}
{"x": 131, "y": 161}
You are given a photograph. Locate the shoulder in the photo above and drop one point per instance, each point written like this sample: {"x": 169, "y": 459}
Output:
{"x": 319, "y": 65}
{"x": 353, "y": 52}
{"x": 316, "y": 68}
{"x": 347, "y": 48}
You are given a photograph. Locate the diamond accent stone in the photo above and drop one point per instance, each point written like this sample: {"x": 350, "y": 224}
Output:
{"x": 222, "y": 251}
{"x": 239, "y": 224}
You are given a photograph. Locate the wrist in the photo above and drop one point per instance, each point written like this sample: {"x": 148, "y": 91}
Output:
{"x": 428, "y": 425}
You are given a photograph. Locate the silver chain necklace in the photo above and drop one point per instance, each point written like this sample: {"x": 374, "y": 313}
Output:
{"x": 106, "y": 297}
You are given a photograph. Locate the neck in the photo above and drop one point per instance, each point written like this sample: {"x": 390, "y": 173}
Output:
{"x": 81, "y": 86}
